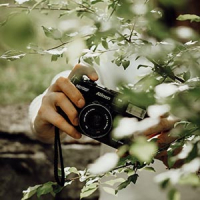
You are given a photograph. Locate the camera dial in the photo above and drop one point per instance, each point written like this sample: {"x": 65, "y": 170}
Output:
{"x": 95, "y": 120}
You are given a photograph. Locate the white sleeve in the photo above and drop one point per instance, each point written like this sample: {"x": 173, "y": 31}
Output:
{"x": 36, "y": 103}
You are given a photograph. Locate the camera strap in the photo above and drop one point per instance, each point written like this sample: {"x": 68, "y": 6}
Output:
{"x": 57, "y": 156}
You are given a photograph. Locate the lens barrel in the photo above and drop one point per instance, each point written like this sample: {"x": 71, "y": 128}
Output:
{"x": 95, "y": 120}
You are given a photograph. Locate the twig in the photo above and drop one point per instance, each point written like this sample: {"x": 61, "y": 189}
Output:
{"x": 133, "y": 28}
{"x": 37, "y": 8}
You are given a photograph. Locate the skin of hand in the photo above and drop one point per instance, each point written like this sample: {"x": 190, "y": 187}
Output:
{"x": 65, "y": 95}
{"x": 162, "y": 133}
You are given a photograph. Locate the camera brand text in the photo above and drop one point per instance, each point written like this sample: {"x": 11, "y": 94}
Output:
{"x": 103, "y": 95}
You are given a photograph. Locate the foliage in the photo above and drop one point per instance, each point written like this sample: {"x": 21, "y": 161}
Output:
{"x": 86, "y": 31}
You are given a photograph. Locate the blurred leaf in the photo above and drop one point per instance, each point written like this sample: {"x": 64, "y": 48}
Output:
{"x": 143, "y": 150}
{"x": 21, "y": 1}
{"x": 4, "y": 5}
{"x": 17, "y": 30}
{"x": 186, "y": 75}
{"x": 114, "y": 181}
{"x": 97, "y": 60}
{"x": 13, "y": 55}
{"x": 52, "y": 33}
{"x": 56, "y": 51}
{"x": 30, "y": 192}
{"x": 151, "y": 169}
{"x": 38, "y": 2}
{"x": 96, "y": 1}
{"x": 54, "y": 57}
{"x": 139, "y": 66}
{"x": 172, "y": 3}
{"x": 190, "y": 179}
{"x": 192, "y": 18}
{"x": 174, "y": 194}
{"x": 109, "y": 190}
{"x": 165, "y": 183}
{"x": 125, "y": 63}
{"x": 87, "y": 190}
{"x": 34, "y": 48}
{"x": 104, "y": 43}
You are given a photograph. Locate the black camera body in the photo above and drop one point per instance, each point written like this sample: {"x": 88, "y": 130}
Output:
{"x": 101, "y": 107}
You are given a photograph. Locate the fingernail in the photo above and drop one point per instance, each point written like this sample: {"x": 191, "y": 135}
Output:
{"x": 81, "y": 103}
{"x": 94, "y": 76}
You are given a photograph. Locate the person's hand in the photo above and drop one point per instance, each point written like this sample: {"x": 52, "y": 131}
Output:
{"x": 65, "y": 95}
{"x": 161, "y": 133}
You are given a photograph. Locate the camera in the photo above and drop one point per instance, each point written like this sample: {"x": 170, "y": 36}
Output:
{"x": 101, "y": 107}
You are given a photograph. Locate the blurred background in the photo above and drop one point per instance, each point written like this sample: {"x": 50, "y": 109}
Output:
{"x": 23, "y": 160}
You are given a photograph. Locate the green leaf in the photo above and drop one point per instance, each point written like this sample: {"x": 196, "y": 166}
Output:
{"x": 54, "y": 58}
{"x": 73, "y": 170}
{"x": 52, "y": 33}
{"x": 137, "y": 57}
{"x": 96, "y": 1}
{"x": 118, "y": 62}
{"x": 87, "y": 193}
{"x": 13, "y": 55}
{"x": 69, "y": 170}
{"x": 131, "y": 179}
{"x": 110, "y": 190}
{"x": 164, "y": 184}
{"x": 186, "y": 75}
{"x": 192, "y": 18}
{"x": 114, "y": 181}
{"x": 88, "y": 60}
{"x": 87, "y": 190}
{"x": 139, "y": 66}
{"x": 125, "y": 63}
{"x": 174, "y": 194}
{"x": 57, "y": 188}
{"x": 30, "y": 192}
{"x": 45, "y": 189}
{"x": 104, "y": 44}
{"x": 97, "y": 60}
{"x": 151, "y": 169}
{"x": 122, "y": 186}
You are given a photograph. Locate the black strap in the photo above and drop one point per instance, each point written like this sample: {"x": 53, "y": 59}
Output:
{"x": 57, "y": 153}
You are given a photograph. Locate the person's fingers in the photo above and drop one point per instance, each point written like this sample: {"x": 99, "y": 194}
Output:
{"x": 68, "y": 108}
{"x": 64, "y": 85}
{"x": 165, "y": 124}
{"x": 80, "y": 70}
{"x": 59, "y": 99}
{"x": 163, "y": 156}
{"x": 164, "y": 139}
{"x": 49, "y": 115}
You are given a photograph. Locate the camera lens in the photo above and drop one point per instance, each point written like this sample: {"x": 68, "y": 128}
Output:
{"x": 95, "y": 120}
